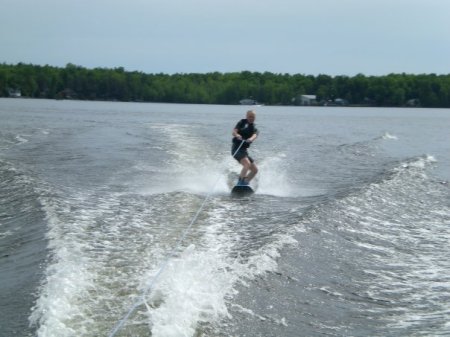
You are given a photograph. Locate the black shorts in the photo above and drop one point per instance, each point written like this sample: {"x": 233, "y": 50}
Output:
{"x": 242, "y": 153}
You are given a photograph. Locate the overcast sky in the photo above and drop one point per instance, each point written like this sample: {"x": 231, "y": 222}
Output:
{"x": 335, "y": 37}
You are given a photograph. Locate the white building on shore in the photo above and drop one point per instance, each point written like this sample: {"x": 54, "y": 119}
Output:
{"x": 305, "y": 100}
{"x": 14, "y": 93}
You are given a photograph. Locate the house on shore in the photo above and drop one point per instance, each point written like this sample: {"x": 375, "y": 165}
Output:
{"x": 14, "y": 93}
{"x": 305, "y": 100}
{"x": 336, "y": 102}
{"x": 66, "y": 94}
{"x": 248, "y": 101}
{"x": 413, "y": 103}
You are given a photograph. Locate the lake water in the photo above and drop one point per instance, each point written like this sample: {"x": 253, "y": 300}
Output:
{"x": 116, "y": 220}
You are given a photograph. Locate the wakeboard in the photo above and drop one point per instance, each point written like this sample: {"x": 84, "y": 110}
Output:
{"x": 241, "y": 190}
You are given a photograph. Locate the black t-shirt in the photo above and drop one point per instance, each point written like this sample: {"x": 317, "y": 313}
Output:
{"x": 246, "y": 130}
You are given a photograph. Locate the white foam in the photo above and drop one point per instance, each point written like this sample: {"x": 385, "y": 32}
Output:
{"x": 21, "y": 139}
{"x": 208, "y": 177}
{"x": 45, "y": 131}
{"x": 279, "y": 321}
{"x": 196, "y": 286}
{"x": 190, "y": 168}
{"x": 420, "y": 163}
{"x": 5, "y": 234}
{"x": 192, "y": 290}
{"x": 248, "y": 312}
{"x": 387, "y": 135}
{"x": 406, "y": 230}
{"x": 272, "y": 178}
{"x": 330, "y": 292}
{"x": 67, "y": 281}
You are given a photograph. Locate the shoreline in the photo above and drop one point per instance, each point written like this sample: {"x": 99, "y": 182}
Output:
{"x": 243, "y": 105}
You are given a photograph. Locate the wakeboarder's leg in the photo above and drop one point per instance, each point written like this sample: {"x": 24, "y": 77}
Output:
{"x": 253, "y": 171}
{"x": 246, "y": 166}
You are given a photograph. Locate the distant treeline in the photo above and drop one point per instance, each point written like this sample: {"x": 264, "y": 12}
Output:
{"x": 426, "y": 90}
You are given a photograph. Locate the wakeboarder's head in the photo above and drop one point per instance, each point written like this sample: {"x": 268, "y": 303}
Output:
{"x": 251, "y": 116}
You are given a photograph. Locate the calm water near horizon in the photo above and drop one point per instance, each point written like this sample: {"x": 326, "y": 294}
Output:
{"x": 346, "y": 235}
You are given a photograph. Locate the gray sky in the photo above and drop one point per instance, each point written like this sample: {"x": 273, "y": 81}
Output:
{"x": 335, "y": 37}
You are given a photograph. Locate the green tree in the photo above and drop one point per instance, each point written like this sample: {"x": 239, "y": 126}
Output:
{"x": 224, "y": 88}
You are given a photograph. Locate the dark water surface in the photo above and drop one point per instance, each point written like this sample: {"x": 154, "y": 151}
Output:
{"x": 346, "y": 235}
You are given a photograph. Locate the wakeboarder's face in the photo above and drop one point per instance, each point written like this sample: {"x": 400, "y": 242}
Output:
{"x": 251, "y": 118}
